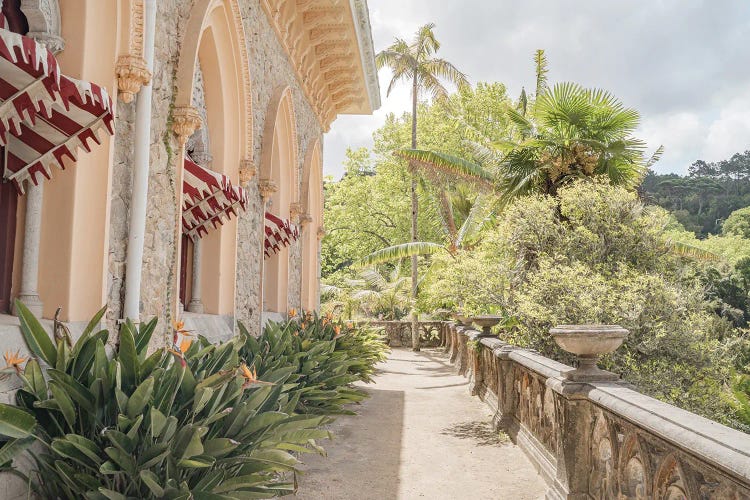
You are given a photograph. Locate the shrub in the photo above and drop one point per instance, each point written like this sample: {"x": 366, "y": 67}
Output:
{"x": 595, "y": 254}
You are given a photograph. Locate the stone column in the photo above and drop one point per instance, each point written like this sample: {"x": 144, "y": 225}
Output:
{"x": 32, "y": 236}
{"x": 195, "y": 305}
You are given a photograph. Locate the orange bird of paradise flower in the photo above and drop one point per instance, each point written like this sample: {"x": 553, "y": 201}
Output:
{"x": 251, "y": 376}
{"x": 14, "y": 360}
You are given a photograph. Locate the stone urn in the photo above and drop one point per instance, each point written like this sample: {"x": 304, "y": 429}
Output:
{"x": 463, "y": 319}
{"x": 589, "y": 343}
{"x": 486, "y": 322}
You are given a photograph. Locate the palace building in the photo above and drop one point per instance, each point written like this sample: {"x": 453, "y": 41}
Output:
{"x": 164, "y": 158}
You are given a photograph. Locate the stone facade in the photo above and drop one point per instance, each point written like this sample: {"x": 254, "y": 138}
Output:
{"x": 270, "y": 69}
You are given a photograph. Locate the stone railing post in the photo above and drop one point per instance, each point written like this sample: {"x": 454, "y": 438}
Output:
{"x": 572, "y": 409}
{"x": 506, "y": 395}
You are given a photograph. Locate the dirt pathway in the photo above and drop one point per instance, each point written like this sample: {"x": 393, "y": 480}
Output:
{"x": 419, "y": 435}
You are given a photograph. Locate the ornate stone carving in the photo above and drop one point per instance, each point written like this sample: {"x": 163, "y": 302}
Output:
{"x": 44, "y": 23}
{"x": 304, "y": 219}
{"x": 266, "y": 188}
{"x": 295, "y": 209}
{"x": 132, "y": 74}
{"x": 602, "y": 477}
{"x": 247, "y": 171}
{"x": 324, "y": 44}
{"x": 321, "y": 232}
{"x": 185, "y": 121}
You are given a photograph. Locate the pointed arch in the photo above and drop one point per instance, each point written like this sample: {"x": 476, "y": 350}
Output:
{"x": 279, "y": 164}
{"x": 312, "y": 205}
{"x": 214, "y": 41}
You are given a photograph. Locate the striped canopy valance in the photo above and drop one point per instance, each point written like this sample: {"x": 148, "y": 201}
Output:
{"x": 45, "y": 116}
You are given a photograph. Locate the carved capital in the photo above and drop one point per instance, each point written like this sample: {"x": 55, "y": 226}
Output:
{"x": 132, "y": 74}
{"x": 266, "y": 188}
{"x": 304, "y": 219}
{"x": 247, "y": 171}
{"x": 185, "y": 121}
{"x": 295, "y": 209}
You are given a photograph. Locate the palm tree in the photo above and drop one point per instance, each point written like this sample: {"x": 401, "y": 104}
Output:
{"x": 374, "y": 292}
{"x": 416, "y": 63}
{"x": 569, "y": 132}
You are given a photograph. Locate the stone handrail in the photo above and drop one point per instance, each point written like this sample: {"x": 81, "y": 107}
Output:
{"x": 599, "y": 440}
{"x": 398, "y": 333}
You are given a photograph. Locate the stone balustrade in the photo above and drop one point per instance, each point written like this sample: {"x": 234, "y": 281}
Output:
{"x": 398, "y": 333}
{"x": 599, "y": 440}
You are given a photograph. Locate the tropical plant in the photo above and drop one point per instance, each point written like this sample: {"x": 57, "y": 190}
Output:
{"x": 416, "y": 63}
{"x": 379, "y": 293}
{"x": 567, "y": 133}
{"x": 191, "y": 421}
{"x": 322, "y": 365}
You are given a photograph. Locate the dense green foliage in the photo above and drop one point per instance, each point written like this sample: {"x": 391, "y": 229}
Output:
{"x": 595, "y": 254}
{"x": 704, "y": 199}
{"x": 199, "y": 421}
{"x": 369, "y": 208}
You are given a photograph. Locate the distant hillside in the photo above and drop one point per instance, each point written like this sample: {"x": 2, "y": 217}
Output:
{"x": 704, "y": 198}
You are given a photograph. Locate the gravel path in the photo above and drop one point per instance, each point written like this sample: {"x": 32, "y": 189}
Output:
{"x": 419, "y": 435}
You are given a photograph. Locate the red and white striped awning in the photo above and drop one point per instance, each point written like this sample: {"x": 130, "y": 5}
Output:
{"x": 208, "y": 199}
{"x": 279, "y": 233}
{"x": 45, "y": 116}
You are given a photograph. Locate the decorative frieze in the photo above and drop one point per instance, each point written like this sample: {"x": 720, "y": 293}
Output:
{"x": 325, "y": 41}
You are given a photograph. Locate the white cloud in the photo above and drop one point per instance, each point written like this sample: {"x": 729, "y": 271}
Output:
{"x": 676, "y": 61}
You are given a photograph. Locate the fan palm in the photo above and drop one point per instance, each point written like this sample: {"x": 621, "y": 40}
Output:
{"x": 416, "y": 63}
{"x": 569, "y": 132}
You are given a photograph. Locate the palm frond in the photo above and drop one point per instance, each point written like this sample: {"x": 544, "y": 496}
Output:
{"x": 478, "y": 215}
{"x": 447, "y": 71}
{"x": 655, "y": 157}
{"x": 402, "y": 251}
{"x": 450, "y": 165}
{"x": 540, "y": 61}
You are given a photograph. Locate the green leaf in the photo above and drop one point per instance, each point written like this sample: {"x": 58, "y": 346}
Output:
{"x": 35, "y": 335}
{"x": 157, "y": 422}
{"x": 14, "y": 422}
{"x": 112, "y": 495}
{"x": 152, "y": 481}
{"x": 77, "y": 392}
{"x": 12, "y": 449}
{"x": 93, "y": 323}
{"x": 128, "y": 357}
{"x": 35, "y": 380}
{"x": 140, "y": 398}
{"x": 64, "y": 402}
{"x": 398, "y": 252}
{"x": 450, "y": 165}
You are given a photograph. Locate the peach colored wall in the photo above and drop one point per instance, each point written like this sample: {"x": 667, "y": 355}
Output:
{"x": 213, "y": 39}
{"x": 281, "y": 170}
{"x": 313, "y": 205}
{"x": 74, "y": 240}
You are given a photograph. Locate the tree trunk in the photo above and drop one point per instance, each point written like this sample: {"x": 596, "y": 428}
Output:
{"x": 414, "y": 213}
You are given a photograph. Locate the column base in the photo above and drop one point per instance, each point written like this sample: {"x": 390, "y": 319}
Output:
{"x": 195, "y": 306}
{"x": 33, "y": 302}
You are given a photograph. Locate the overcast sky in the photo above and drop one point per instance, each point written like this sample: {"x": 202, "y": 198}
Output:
{"x": 684, "y": 64}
